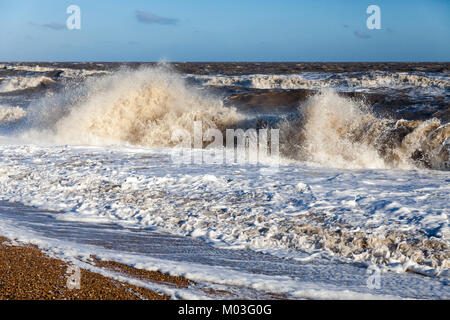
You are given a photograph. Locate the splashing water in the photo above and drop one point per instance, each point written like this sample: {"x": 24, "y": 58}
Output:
{"x": 141, "y": 107}
{"x": 340, "y": 132}
{"x": 145, "y": 107}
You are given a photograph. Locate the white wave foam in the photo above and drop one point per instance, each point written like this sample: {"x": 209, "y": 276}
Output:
{"x": 81, "y": 73}
{"x": 384, "y": 216}
{"x": 22, "y": 83}
{"x": 36, "y": 70}
{"x": 32, "y": 68}
{"x": 340, "y": 132}
{"x": 11, "y": 114}
{"x": 142, "y": 107}
{"x": 341, "y": 81}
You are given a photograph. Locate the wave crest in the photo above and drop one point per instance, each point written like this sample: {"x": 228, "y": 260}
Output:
{"x": 141, "y": 107}
{"x": 23, "y": 83}
{"x": 145, "y": 107}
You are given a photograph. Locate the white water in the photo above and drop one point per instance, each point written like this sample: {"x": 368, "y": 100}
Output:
{"x": 340, "y": 132}
{"x": 146, "y": 107}
{"x": 142, "y": 108}
{"x": 300, "y": 207}
{"x": 419, "y": 83}
{"x": 22, "y": 83}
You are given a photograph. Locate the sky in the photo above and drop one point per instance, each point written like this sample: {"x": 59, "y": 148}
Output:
{"x": 213, "y": 30}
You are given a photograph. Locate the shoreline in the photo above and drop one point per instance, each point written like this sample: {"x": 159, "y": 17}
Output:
{"x": 27, "y": 273}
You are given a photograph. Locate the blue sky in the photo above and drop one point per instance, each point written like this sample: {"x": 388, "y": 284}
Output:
{"x": 210, "y": 30}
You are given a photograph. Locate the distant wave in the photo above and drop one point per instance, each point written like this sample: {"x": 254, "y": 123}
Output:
{"x": 22, "y": 83}
{"x": 342, "y": 81}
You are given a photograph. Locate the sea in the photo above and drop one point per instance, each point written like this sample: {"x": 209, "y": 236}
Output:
{"x": 350, "y": 201}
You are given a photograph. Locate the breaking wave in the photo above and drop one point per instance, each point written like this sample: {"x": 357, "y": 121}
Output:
{"x": 145, "y": 107}
{"x": 142, "y": 107}
{"x": 340, "y": 132}
{"x": 365, "y": 81}
{"x": 22, "y": 83}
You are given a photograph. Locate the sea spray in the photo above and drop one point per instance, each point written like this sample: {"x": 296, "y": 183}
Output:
{"x": 336, "y": 131}
{"x": 141, "y": 107}
{"x": 23, "y": 83}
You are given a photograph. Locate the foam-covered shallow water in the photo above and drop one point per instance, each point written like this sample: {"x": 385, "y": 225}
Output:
{"x": 391, "y": 218}
{"x": 357, "y": 182}
{"x": 241, "y": 272}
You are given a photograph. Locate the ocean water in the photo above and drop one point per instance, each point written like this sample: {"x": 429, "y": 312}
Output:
{"x": 362, "y": 181}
